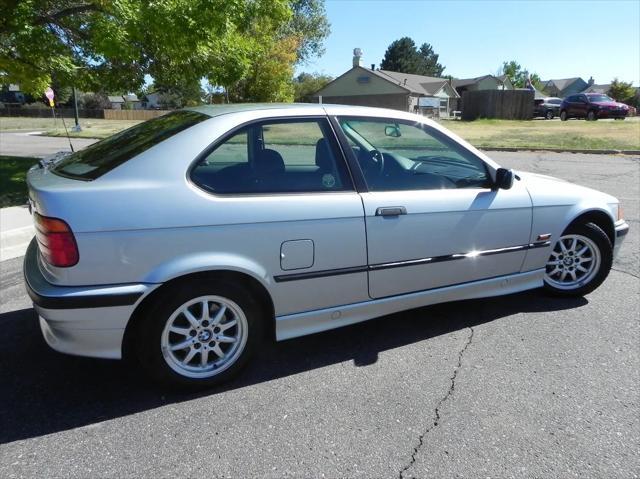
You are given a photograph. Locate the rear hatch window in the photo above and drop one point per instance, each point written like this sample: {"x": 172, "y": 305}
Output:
{"x": 99, "y": 158}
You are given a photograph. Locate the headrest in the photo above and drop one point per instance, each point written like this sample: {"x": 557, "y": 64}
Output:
{"x": 269, "y": 162}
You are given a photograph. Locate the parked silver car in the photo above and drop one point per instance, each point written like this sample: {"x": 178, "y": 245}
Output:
{"x": 186, "y": 240}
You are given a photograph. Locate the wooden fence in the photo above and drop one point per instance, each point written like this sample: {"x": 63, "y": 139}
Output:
{"x": 133, "y": 114}
{"x": 504, "y": 104}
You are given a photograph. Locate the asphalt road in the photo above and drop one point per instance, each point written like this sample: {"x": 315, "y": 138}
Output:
{"x": 29, "y": 143}
{"x": 518, "y": 386}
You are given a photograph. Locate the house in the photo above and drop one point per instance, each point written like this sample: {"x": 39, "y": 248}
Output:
{"x": 387, "y": 89}
{"x": 130, "y": 101}
{"x": 151, "y": 101}
{"x": 564, "y": 87}
{"x": 11, "y": 94}
{"x": 486, "y": 82}
{"x": 593, "y": 88}
{"x": 117, "y": 102}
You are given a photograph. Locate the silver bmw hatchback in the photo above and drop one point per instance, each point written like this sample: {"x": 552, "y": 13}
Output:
{"x": 187, "y": 240}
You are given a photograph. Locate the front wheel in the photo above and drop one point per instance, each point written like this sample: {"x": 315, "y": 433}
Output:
{"x": 563, "y": 115}
{"x": 591, "y": 116}
{"x": 199, "y": 334}
{"x": 580, "y": 261}
{"x": 549, "y": 115}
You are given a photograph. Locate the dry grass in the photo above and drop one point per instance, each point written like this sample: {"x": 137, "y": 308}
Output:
{"x": 572, "y": 134}
{"x": 487, "y": 134}
{"x": 91, "y": 128}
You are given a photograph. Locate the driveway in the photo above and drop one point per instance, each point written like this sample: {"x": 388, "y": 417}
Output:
{"x": 30, "y": 143}
{"x": 519, "y": 386}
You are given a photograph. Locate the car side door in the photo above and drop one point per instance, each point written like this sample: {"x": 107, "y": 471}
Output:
{"x": 432, "y": 216}
{"x": 285, "y": 203}
{"x": 582, "y": 106}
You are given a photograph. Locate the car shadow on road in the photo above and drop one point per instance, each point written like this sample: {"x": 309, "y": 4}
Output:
{"x": 45, "y": 392}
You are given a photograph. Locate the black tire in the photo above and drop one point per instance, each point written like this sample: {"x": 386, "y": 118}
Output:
{"x": 563, "y": 115}
{"x": 150, "y": 331}
{"x": 549, "y": 115}
{"x": 592, "y": 115}
{"x": 619, "y": 118}
{"x": 605, "y": 249}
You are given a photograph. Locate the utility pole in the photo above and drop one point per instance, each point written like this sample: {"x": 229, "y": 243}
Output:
{"x": 75, "y": 110}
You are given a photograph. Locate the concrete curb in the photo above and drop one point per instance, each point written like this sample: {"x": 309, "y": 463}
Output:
{"x": 16, "y": 231}
{"x": 560, "y": 150}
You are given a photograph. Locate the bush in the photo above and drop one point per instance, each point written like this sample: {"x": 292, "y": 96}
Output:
{"x": 94, "y": 101}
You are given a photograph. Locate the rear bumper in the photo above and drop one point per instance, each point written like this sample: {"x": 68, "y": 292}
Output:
{"x": 622, "y": 228}
{"x": 81, "y": 320}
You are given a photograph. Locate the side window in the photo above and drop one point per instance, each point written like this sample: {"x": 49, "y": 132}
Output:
{"x": 234, "y": 151}
{"x": 400, "y": 155}
{"x": 282, "y": 156}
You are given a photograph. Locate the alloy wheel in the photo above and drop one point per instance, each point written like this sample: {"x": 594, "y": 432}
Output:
{"x": 574, "y": 261}
{"x": 204, "y": 336}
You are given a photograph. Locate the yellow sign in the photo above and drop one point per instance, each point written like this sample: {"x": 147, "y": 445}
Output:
{"x": 51, "y": 103}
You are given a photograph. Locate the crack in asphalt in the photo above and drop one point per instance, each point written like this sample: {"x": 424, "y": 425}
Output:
{"x": 442, "y": 401}
{"x": 625, "y": 272}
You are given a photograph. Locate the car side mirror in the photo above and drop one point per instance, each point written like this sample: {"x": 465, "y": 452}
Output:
{"x": 504, "y": 179}
{"x": 392, "y": 131}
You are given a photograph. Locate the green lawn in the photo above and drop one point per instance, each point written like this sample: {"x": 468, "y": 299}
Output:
{"x": 13, "y": 189}
{"x": 572, "y": 134}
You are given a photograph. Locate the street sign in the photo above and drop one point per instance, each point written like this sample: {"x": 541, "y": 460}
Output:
{"x": 50, "y": 95}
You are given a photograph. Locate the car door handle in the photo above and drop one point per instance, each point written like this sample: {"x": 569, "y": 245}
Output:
{"x": 391, "y": 211}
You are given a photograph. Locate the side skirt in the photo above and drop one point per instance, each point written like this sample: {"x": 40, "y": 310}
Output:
{"x": 301, "y": 324}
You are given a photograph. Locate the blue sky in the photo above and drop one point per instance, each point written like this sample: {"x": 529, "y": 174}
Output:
{"x": 556, "y": 39}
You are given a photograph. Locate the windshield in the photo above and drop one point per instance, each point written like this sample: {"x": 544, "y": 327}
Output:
{"x": 599, "y": 98}
{"x": 103, "y": 156}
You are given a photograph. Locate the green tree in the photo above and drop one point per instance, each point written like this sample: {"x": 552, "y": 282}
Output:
{"x": 623, "y": 92}
{"x": 428, "y": 62}
{"x": 403, "y": 56}
{"x": 306, "y": 84}
{"x": 178, "y": 96}
{"x": 271, "y": 77}
{"x": 112, "y": 45}
{"x": 519, "y": 75}
{"x": 310, "y": 24}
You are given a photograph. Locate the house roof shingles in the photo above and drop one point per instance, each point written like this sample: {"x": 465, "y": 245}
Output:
{"x": 562, "y": 83}
{"x": 420, "y": 84}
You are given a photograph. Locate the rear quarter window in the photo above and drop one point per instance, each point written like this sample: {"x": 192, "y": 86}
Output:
{"x": 103, "y": 156}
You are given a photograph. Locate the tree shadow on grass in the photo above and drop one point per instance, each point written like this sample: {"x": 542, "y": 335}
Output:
{"x": 46, "y": 392}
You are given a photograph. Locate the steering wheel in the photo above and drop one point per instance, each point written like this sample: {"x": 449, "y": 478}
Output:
{"x": 378, "y": 160}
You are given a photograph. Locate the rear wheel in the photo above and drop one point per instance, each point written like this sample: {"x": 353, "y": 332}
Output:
{"x": 549, "y": 115}
{"x": 591, "y": 116}
{"x": 199, "y": 334}
{"x": 580, "y": 261}
{"x": 563, "y": 115}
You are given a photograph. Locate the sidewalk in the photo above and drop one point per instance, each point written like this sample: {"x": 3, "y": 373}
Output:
{"x": 16, "y": 231}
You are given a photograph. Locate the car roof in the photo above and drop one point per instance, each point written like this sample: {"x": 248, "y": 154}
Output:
{"x": 295, "y": 108}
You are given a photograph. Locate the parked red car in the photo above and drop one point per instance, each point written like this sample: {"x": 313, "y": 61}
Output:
{"x": 592, "y": 106}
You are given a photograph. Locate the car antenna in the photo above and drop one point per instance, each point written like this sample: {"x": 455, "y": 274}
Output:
{"x": 67, "y": 132}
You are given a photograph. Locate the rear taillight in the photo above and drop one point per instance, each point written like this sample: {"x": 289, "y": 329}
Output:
{"x": 55, "y": 241}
